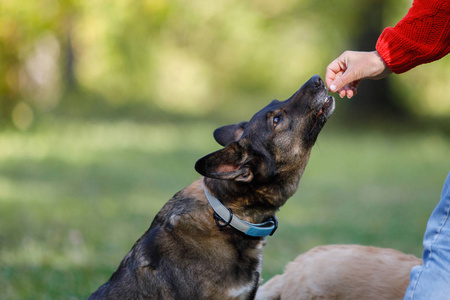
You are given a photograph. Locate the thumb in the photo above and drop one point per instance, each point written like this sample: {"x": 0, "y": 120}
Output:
{"x": 341, "y": 81}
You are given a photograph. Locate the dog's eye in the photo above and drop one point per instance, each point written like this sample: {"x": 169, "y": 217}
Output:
{"x": 276, "y": 120}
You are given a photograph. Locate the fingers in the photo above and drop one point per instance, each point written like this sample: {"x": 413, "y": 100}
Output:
{"x": 344, "y": 74}
{"x": 347, "y": 81}
{"x": 334, "y": 71}
{"x": 338, "y": 84}
{"x": 349, "y": 90}
{"x": 339, "y": 73}
{"x": 342, "y": 93}
{"x": 344, "y": 86}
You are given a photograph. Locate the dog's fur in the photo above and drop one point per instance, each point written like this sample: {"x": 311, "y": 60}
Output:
{"x": 184, "y": 254}
{"x": 343, "y": 272}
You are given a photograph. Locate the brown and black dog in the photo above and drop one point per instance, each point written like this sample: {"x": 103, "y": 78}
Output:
{"x": 195, "y": 251}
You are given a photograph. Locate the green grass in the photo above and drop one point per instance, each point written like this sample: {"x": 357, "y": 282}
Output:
{"x": 75, "y": 196}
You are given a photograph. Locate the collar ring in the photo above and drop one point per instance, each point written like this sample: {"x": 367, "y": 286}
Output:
{"x": 221, "y": 222}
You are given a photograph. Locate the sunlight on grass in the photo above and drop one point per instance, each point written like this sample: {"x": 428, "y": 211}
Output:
{"x": 371, "y": 188}
{"x": 71, "y": 140}
{"x": 6, "y": 189}
{"x": 75, "y": 196}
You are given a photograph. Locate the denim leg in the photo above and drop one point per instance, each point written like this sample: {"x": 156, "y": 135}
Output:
{"x": 431, "y": 281}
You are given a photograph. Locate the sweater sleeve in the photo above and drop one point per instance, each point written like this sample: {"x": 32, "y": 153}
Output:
{"x": 422, "y": 36}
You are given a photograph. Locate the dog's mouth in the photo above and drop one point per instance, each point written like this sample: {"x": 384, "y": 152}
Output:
{"x": 324, "y": 112}
{"x": 326, "y": 108}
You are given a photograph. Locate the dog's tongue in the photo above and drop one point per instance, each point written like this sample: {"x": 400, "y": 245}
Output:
{"x": 325, "y": 105}
{"x": 319, "y": 113}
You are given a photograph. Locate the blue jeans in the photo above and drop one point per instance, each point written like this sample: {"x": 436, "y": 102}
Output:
{"x": 431, "y": 281}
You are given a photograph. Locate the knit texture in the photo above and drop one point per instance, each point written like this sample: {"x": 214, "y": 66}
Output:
{"x": 422, "y": 36}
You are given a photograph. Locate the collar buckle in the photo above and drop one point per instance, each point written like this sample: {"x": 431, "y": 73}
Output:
{"x": 275, "y": 224}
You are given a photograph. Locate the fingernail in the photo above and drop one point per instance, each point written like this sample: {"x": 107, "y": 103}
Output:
{"x": 332, "y": 88}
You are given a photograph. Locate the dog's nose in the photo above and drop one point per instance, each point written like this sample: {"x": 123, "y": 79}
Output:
{"x": 317, "y": 81}
{"x": 311, "y": 87}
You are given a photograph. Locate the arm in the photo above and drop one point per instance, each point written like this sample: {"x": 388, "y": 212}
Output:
{"x": 422, "y": 36}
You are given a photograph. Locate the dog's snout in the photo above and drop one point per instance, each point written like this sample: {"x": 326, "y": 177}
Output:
{"x": 311, "y": 88}
{"x": 316, "y": 81}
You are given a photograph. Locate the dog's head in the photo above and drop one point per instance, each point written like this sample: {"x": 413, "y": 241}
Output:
{"x": 274, "y": 146}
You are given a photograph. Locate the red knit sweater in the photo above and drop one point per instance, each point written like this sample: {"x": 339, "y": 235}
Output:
{"x": 422, "y": 36}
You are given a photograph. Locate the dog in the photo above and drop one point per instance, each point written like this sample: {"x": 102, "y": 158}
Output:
{"x": 206, "y": 242}
{"x": 344, "y": 272}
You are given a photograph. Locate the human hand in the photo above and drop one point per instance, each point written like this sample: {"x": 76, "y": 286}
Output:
{"x": 344, "y": 74}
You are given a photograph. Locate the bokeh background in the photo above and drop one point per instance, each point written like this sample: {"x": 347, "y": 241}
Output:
{"x": 106, "y": 105}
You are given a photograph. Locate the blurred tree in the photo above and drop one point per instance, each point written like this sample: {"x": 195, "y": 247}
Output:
{"x": 192, "y": 57}
{"x": 32, "y": 37}
{"x": 376, "y": 97}
{"x": 69, "y": 58}
{"x": 420, "y": 92}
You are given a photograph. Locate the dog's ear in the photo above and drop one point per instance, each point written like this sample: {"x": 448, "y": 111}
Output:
{"x": 230, "y": 133}
{"x": 228, "y": 163}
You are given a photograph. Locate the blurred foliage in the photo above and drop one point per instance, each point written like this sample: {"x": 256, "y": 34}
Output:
{"x": 189, "y": 57}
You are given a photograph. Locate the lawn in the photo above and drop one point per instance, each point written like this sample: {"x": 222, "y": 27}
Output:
{"x": 75, "y": 195}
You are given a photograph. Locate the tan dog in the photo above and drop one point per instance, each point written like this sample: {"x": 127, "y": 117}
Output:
{"x": 344, "y": 272}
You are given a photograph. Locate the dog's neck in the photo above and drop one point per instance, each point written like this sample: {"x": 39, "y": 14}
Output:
{"x": 248, "y": 202}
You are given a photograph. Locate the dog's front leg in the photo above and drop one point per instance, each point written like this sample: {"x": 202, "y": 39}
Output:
{"x": 256, "y": 280}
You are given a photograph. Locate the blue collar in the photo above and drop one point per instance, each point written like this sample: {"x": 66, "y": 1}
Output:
{"x": 225, "y": 217}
